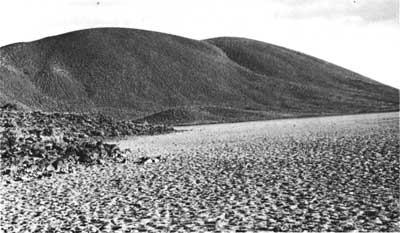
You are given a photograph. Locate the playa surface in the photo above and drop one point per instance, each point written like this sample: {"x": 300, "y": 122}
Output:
{"x": 336, "y": 173}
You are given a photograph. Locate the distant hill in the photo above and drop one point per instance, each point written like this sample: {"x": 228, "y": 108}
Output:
{"x": 138, "y": 74}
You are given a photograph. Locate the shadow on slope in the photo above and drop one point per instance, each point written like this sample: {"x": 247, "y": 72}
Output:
{"x": 129, "y": 74}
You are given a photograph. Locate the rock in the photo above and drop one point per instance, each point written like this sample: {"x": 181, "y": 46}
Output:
{"x": 82, "y": 135}
{"x": 83, "y": 156}
{"x": 97, "y": 133}
{"x": 9, "y": 107}
{"x": 30, "y": 140}
{"x": 143, "y": 160}
{"x": 9, "y": 125}
{"x": 70, "y": 151}
{"x": 48, "y": 146}
{"x": 110, "y": 148}
{"x": 378, "y": 221}
{"x": 48, "y": 131}
{"x": 371, "y": 213}
{"x": 55, "y": 142}
{"x": 348, "y": 226}
{"x": 67, "y": 139}
{"x": 101, "y": 161}
{"x": 156, "y": 159}
{"x": 6, "y": 171}
{"x": 58, "y": 164}
{"x": 50, "y": 168}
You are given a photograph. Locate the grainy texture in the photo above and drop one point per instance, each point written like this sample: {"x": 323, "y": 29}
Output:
{"x": 131, "y": 74}
{"x": 316, "y": 174}
{"x": 37, "y": 144}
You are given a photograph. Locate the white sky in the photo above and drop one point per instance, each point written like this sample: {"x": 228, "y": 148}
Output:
{"x": 361, "y": 35}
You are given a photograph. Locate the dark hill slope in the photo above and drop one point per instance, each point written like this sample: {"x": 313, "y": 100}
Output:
{"x": 313, "y": 74}
{"x": 134, "y": 73}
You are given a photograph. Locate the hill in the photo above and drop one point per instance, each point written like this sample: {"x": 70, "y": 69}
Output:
{"x": 130, "y": 73}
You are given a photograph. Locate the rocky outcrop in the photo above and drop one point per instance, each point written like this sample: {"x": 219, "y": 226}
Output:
{"x": 37, "y": 144}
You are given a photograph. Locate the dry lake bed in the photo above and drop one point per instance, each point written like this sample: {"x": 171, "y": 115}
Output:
{"x": 314, "y": 174}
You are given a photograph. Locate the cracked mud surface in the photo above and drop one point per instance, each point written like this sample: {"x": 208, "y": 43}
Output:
{"x": 316, "y": 174}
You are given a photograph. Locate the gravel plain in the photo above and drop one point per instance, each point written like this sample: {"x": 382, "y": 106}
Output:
{"x": 314, "y": 174}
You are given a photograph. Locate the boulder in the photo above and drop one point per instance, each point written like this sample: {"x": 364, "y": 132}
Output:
{"x": 9, "y": 107}
{"x": 37, "y": 144}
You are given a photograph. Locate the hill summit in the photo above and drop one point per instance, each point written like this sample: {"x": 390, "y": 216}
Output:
{"x": 128, "y": 73}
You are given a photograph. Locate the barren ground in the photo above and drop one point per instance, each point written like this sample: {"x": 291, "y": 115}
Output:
{"x": 316, "y": 174}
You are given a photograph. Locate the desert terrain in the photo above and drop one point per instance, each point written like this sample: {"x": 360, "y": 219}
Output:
{"x": 338, "y": 173}
{"x": 162, "y": 78}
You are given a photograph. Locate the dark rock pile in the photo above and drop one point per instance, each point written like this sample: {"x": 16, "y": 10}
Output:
{"x": 37, "y": 144}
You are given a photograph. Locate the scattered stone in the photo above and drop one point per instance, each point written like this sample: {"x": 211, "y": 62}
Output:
{"x": 205, "y": 186}
{"x": 36, "y": 144}
{"x": 9, "y": 107}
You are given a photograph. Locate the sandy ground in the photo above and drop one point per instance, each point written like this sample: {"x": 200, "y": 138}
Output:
{"x": 316, "y": 174}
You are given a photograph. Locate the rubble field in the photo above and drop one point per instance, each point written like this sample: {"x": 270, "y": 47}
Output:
{"x": 317, "y": 174}
{"x": 38, "y": 144}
